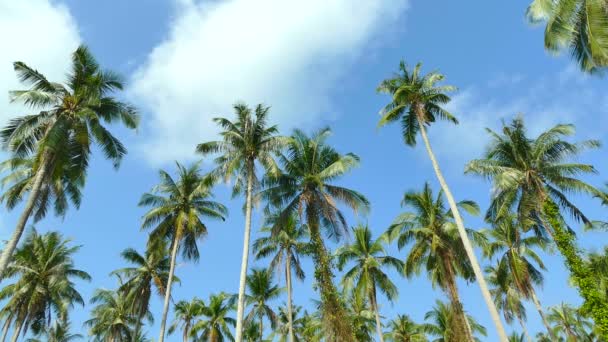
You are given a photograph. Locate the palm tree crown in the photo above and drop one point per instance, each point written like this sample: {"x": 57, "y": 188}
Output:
{"x": 262, "y": 290}
{"x": 215, "y": 327}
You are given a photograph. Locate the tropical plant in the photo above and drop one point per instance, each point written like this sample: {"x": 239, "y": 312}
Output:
{"x": 56, "y": 332}
{"x": 533, "y": 177}
{"x": 518, "y": 262}
{"x": 577, "y": 25}
{"x": 417, "y": 101}
{"x": 43, "y": 290}
{"x": 58, "y": 138}
{"x": 515, "y": 337}
{"x": 215, "y": 326}
{"x": 441, "y": 324}
{"x": 247, "y": 140}
{"x": 361, "y": 316}
{"x": 261, "y": 290}
{"x": 177, "y": 208}
{"x": 436, "y": 247}
{"x": 288, "y": 325}
{"x": 312, "y": 330}
{"x": 150, "y": 270}
{"x": 112, "y": 318}
{"x": 305, "y": 187}
{"x": 367, "y": 275}
{"x": 185, "y": 316}
{"x": 569, "y": 323}
{"x": 403, "y": 329}
{"x": 507, "y": 297}
{"x": 285, "y": 245}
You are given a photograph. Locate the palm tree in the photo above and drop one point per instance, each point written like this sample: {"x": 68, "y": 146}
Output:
{"x": 533, "y": 177}
{"x": 57, "y": 332}
{"x": 43, "y": 290}
{"x": 367, "y": 274}
{"x": 59, "y": 137}
{"x": 515, "y": 337}
{"x": 112, "y": 318}
{"x": 569, "y": 323}
{"x": 442, "y": 323}
{"x": 186, "y": 314}
{"x": 305, "y": 188}
{"x": 244, "y": 142}
{"x": 177, "y": 209}
{"x": 517, "y": 259}
{"x": 507, "y": 297}
{"x": 288, "y": 325}
{"x": 360, "y": 314}
{"x": 150, "y": 270}
{"x": 436, "y": 246}
{"x": 577, "y": 25}
{"x": 418, "y": 101}
{"x": 286, "y": 246}
{"x": 311, "y": 327}
{"x": 215, "y": 327}
{"x": 403, "y": 329}
{"x": 262, "y": 290}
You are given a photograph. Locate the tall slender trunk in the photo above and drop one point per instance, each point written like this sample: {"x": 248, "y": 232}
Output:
{"x": 374, "y": 303}
{"x": 186, "y": 331}
{"x": 245, "y": 259}
{"x": 525, "y": 330}
{"x": 464, "y": 328}
{"x": 539, "y": 308}
{"x": 27, "y": 211}
{"x": 483, "y": 286}
{"x": 338, "y": 327}
{"x": 163, "y": 321}
{"x": 289, "y": 304}
{"x": 17, "y": 332}
{"x": 261, "y": 327}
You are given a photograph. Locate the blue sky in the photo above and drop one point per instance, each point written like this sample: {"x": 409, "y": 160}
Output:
{"x": 316, "y": 63}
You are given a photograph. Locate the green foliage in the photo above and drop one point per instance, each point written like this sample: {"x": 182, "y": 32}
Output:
{"x": 261, "y": 290}
{"x": 442, "y": 324}
{"x": 403, "y": 329}
{"x": 214, "y": 325}
{"x": 111, "y": 318}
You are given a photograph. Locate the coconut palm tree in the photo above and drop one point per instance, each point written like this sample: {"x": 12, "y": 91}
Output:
{"x": 360, "y": 314}
{"x": 177, "y": 209}
{"x": 441, "y": 324}
{"x": 286, "y": 324}
{"x": 59, "y": 136}
{"x": 57, "y": 332}
{"x": 150, "y": 270}
{"x": 569, "y": 323}
{"x": 311, "y": 166}
{"x": 286, "y": 245}
{"x": 367, "y": 274}
{"x": 215, "y": 326}
{"x": 533, "y": 177}
{"x": 507, "y": 297}
{"x": 44, "y": 289}
{"x": 312, "y": 330}
{"x": 576, "y": 25}
{"x": 436, "y": 247}
{"x": 261, "y": 290}
{"x": 246, "y": 141}
{"x": 417, "y": 101}
{"x": 112, "y": 318}
{"x": 515, "y": 337}
{"x": 518, "y": 261}
{"x": 403, "y": 329}
{"x": 186, "y": 313}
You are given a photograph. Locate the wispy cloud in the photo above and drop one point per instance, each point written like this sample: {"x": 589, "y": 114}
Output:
{"x": 283, "y": 53}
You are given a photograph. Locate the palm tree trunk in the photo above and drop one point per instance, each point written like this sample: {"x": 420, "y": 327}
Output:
{"x": 525, "y": 330}
{"x": 464, "y": 329}
{"x": 374, "y": 303}
{"x": 502, "y": 335}
{"x": 186, "y": 331}
{"x": 245, "y": 259}
{"x": 163, "y": 321}
{"x": 7, "y": 325}
{"x": 27, "y": 211}
{"x": 17, "y": 332}
{"x": 289, "y": 304}
{"x": 261, "y": 327}
{"x": 338, "y": 326}
{"x": 542, "y": 313}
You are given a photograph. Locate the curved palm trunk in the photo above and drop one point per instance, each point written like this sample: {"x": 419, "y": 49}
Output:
{"x": 27, "y": 211}
{"x": 185, "y": 333}
{"x": 338, "y": 325}
{"x": 464, "y": 328}
{"x": 502, "y": 335}
{"x": 245, "y": 259}
{"x": 539, "y": 308}
{"x": 524, "y": 329}
{"x": 374, "y": 303}
{"x": 289, "y": 304}
{"x": 163, "y": 321}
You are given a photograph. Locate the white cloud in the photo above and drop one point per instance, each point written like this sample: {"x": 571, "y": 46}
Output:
{"x": 41, "y": 33}
{"x": 287, "y": 54}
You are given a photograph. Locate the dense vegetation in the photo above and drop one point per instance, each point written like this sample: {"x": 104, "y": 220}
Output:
{"x": 295, "y": 180}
